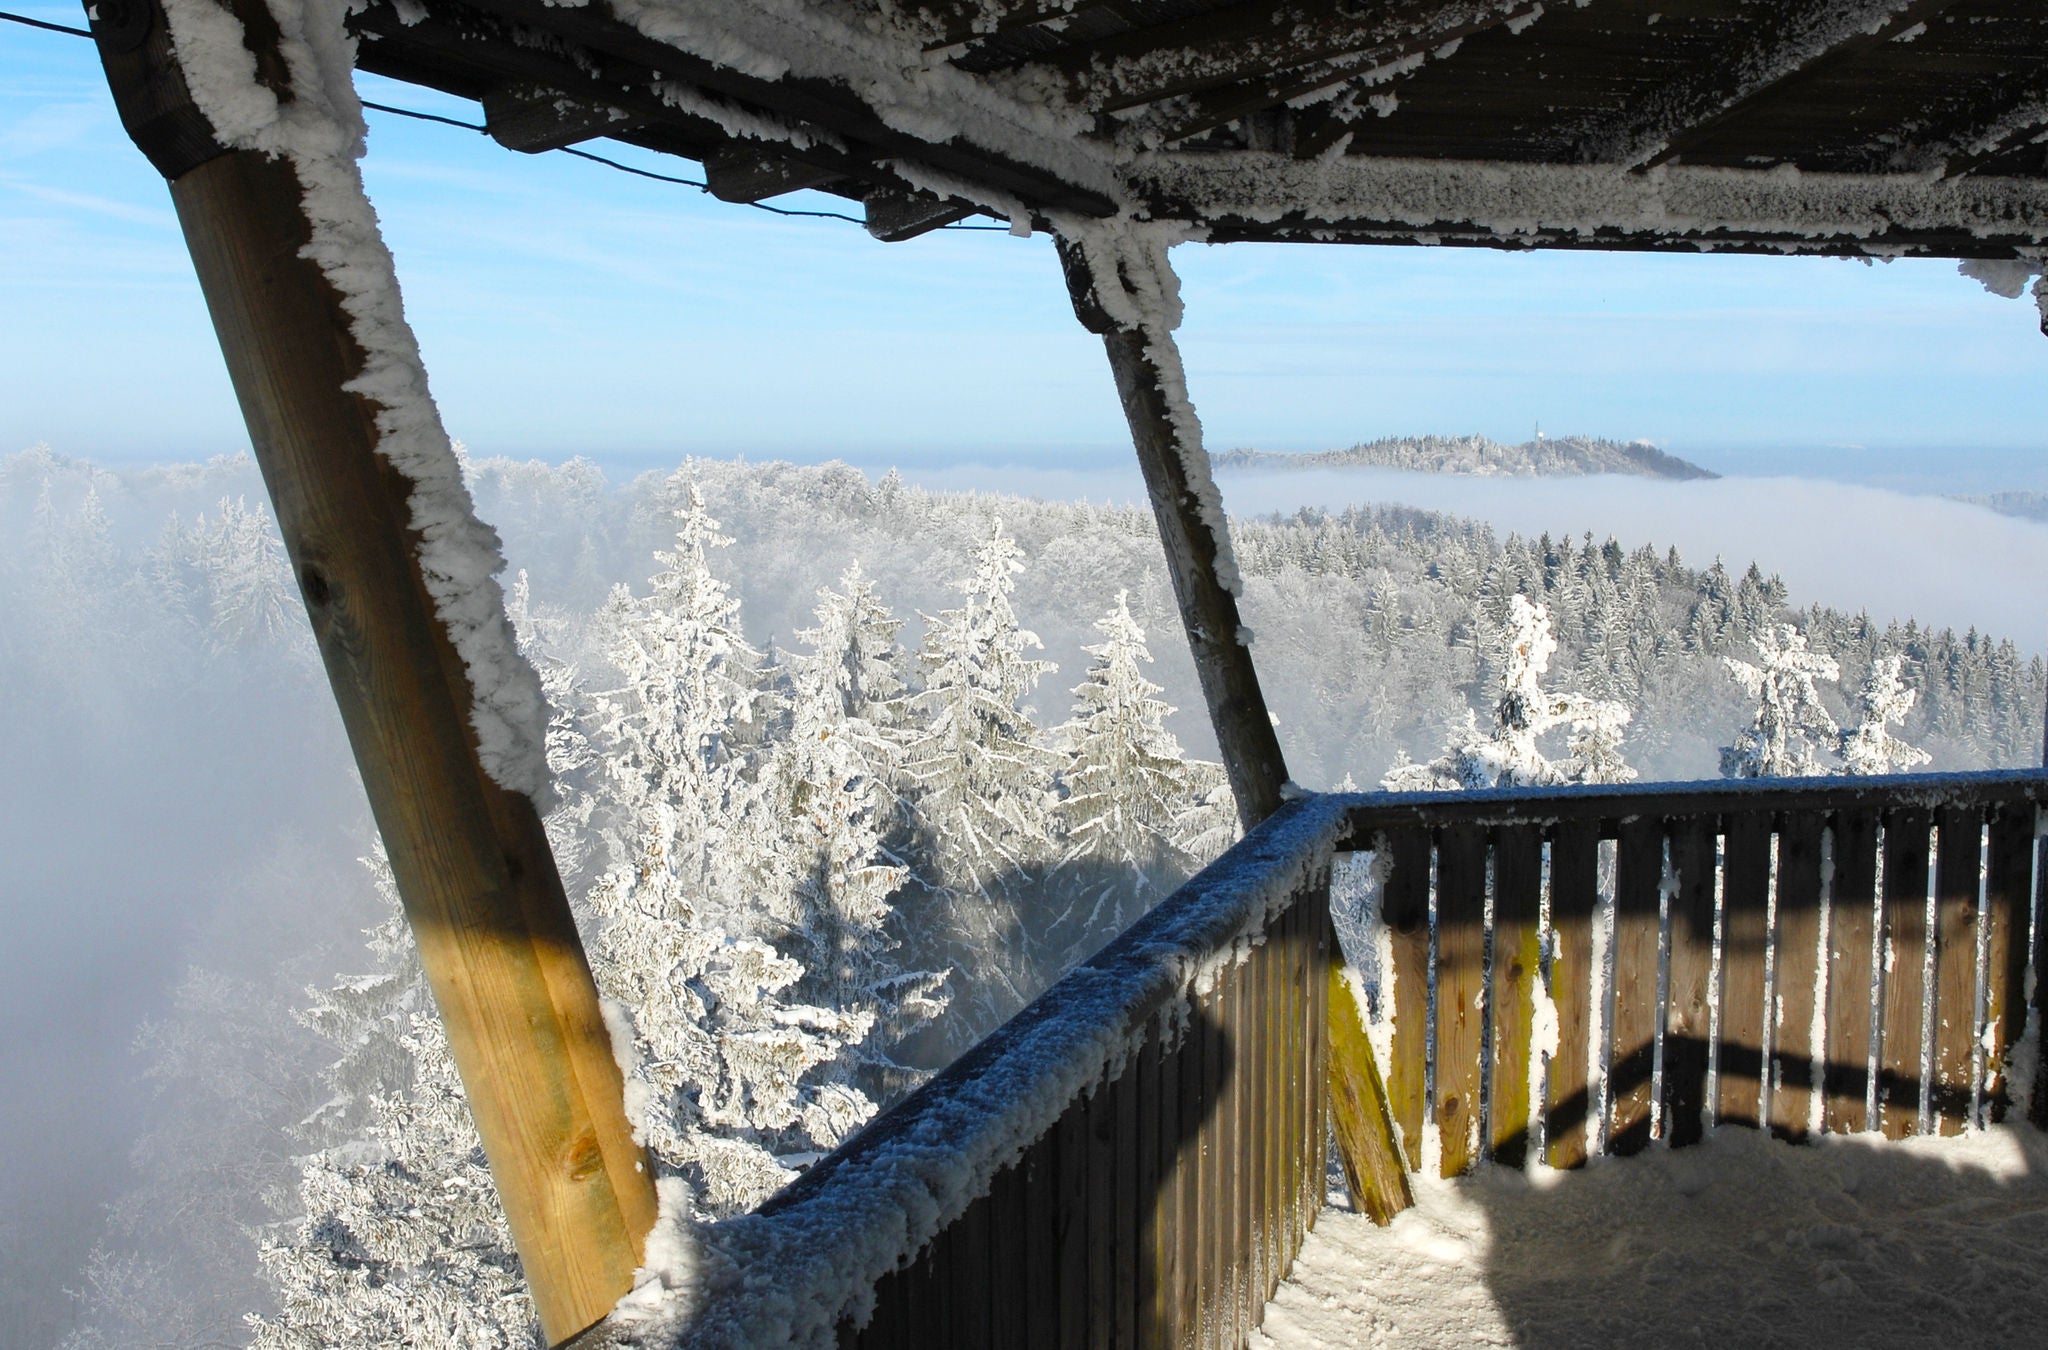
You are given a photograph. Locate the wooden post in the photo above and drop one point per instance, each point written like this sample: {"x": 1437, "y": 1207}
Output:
{"x": 472, "y": 862}
{"x": 1146, "y": 363}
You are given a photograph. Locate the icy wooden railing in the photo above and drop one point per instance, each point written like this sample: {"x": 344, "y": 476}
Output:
{"x": 1133, "y": 1160}
{"x": 1582, "y": 970}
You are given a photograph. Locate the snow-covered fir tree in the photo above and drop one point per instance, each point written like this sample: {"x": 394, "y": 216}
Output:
{"x": 1128, "y": 787}
{"x": 724, "y": 1079}
{"x": 831, "y": 876}
{"x": 1507, "y": 753}
{"x": 1789, "y": 726}
{"x": 401, "y": 1242}
{"x": 981, "y": 770}
{"x": 1869, "y": 747}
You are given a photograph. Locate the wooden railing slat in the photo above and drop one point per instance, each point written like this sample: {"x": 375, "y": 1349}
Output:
{"x": 1187, "y": 1185}
{"x": 2009, "y": 903}
{"x": 1793, "y": 1081}
{"x": 1461, "y": 992}
{"x": 1851, "y": 928}
{"x": 1688, "y": 1020}
{"x": 1639, "y": 874}
{"x": 1404, "y": 908}
{"x": 1574, "y": 892}
{"x": 1902, "y": 1033}
{"x": 1516, "y": 968}
{"x": 1740, "y": 1071}
{"x": 1958, "y": 868}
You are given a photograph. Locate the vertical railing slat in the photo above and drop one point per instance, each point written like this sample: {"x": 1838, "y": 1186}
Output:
{"x": 1901, "y": 1035}
{"x": 1639, "y": 873}
{"x": 1147, "y": 1161}
{"x": 1187, "y": 1272}
{"x": 1100, "y": 1202}
{"x": 1958, "y": 866}
{"x": 1574, "y": 891}
{"x": 1851, "y": 926}
{"x": 1688, "y": 1021}
{"x": 1404, "y": 908}
{"x": 2009, "y": 903}
{"x": 1740, "y": 1071}
{"x": 1461, "y": 992}
{"x": 1793, "y": 1081}
{"x": 1517, "y": 966}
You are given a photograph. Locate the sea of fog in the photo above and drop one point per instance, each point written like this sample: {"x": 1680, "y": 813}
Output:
{"x": 1855, "y": 547}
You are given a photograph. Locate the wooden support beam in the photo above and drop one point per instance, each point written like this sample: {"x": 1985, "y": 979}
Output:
{"x": 1774, "y": 50}
{"x": 1117, "y": 293}
{"x": 1259, "y": 41}
{"x": 533, "y": 118}
{"x": 894, "y": 215}
{"x": 746, "y": 173}
{"x": 472, "y": 862}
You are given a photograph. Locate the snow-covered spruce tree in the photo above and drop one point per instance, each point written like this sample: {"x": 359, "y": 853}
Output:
{"x": 1789, "y": 725}
{"x": 829, "y": 876}
{"x": 1508, "y": 753}
{"x": 982, "y": 784}
{"x": 1868, "y": 747}
{"x": 723, "y": 1081}
{"x": 401, "y": 1240}
{"x": 1128, "y": 785}
{"x": 981, "y": 770}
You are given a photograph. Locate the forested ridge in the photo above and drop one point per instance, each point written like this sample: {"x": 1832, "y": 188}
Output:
{"x": 848, "y": 769}
{"x": 1481, "y": 455}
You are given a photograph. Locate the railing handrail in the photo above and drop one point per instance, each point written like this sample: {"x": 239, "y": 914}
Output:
{"x": 789, "y": 1272}
{"x": 1611, "y": 803}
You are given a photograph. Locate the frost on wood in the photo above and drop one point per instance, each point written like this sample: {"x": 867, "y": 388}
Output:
{"x": 319, "y": 131}
{"x": 788, "y": 1276}
{"x": 1138, "y": 292}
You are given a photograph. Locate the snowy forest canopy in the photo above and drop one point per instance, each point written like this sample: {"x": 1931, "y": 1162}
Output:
{"x": 830, "y": 812}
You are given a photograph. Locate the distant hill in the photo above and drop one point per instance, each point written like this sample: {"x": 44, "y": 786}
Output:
{"x": 1562, "y": 456}
{"x": 2025, "y": 505}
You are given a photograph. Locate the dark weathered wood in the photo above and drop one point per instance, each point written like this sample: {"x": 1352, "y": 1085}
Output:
{"x": 471, "y": 860}
{"x": 1740, "y": 1070}
{"x": 1100, "y": 1202}
{"x": 1574, "y": 892}
{"x": 1902, "y": 1038}
{"x": 965, "y": 1271}
{"x": 1039, "y": 1286}
{"x": 1146, "y": 1163}
{"x": 1611, "y": 806}
{"x": 753, "y": 174}
{"x": 1009, "y": 1237}
{"x": 1639, "y": 873}
{"x": 2009, "y": 905}
{"x": 1516, "y": 969}
{"x": 1767, "y": 53}
{"x": 1323, "y": 954}
{"x": 1216, "y": 1054}
{"x": 1140, "y": 359}
{"x": 1959, "y": 859}
{"x": 1852, "y": 919}
{"x": 1163, "y": 1158}
{"x": 1072, "y": 1148}
{"x": 895, "y": 216}
{"x": 1404, "y": 907}
{"x": 1126, "y": 1237}
{"x": 1194, "y": 1100}
{"x": 1460, "y": 993}
{"x": 531, "y": 119}
{"x": 1794, "y": 1080}
{"x": 1688, "y": 1021}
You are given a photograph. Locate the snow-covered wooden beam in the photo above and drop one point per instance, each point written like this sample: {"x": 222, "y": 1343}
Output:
{"x": 1399, "y": 52}
{"x": 1256, "y": 41}
{"x": 246, "y": 108}
{"x": 1124, "y": 289}
{"x": 1354, "y": 198}
{"x": 1782, "y": 42}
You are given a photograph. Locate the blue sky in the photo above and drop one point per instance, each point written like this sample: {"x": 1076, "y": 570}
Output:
{"x": 564, "y": 308}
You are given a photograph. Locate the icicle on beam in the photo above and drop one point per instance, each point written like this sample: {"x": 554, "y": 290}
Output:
{"x": 249, "y": 113}
{"x": 1124, "y": 289}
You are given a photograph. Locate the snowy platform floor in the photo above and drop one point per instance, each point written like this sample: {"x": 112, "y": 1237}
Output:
{"x": 1742, "y": 1241}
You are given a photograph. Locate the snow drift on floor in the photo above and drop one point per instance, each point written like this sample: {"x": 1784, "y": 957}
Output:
{"x": 1741, "y": 1241}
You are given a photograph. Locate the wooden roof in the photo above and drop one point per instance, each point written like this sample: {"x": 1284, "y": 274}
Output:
{"x": 1883, "y": 127}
